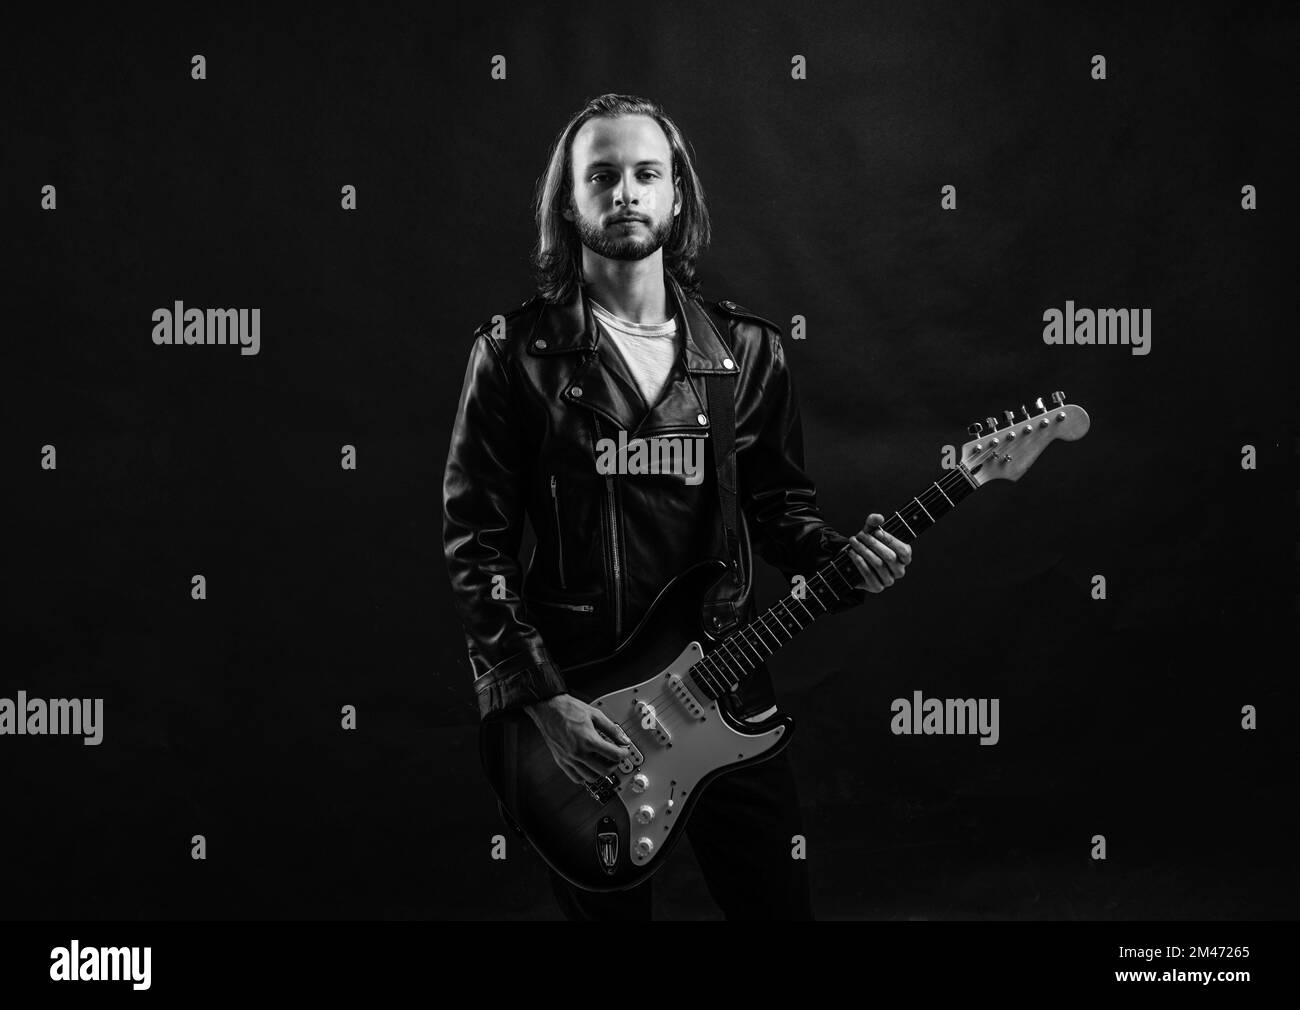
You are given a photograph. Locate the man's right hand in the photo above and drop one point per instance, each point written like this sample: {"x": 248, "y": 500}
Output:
{"x": 576, "y": 734}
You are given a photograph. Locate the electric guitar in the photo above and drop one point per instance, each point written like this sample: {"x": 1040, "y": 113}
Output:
{"x": 670, "y": 684}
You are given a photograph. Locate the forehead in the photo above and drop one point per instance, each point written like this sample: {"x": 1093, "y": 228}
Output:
{"x": 622, "y": 139}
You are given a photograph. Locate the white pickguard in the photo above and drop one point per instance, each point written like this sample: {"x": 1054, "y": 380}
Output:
{"x": 697, "y": 746}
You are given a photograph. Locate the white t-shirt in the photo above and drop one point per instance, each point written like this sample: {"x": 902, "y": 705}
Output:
{"x": 648, "y": 349}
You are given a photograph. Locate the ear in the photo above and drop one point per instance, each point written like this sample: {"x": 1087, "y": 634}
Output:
{"x": 677, "y": 195}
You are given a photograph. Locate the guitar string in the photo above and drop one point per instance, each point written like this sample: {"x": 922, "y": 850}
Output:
{"x": 717, "y": 679}
{"x": 711, "y": 677}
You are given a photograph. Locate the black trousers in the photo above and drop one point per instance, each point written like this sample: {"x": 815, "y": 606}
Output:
{"x": 741, "y": 831}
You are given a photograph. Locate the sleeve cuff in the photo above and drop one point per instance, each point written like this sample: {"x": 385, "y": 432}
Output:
{"x": 499, "y": 692}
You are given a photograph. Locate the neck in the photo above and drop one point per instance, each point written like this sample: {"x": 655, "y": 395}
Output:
{"x": 631, "y": 289}
{"x": 738, "y": 655}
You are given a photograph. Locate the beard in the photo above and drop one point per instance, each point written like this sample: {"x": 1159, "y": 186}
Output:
{"x": 616, "y": 243}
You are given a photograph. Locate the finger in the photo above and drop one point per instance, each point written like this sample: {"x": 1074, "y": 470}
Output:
{"x": 868, "y": 574}
{"x": 874, "y": 522}
{"x": 902, "y": 549}
{"x": 872, "y": 583}
{"x": 878, "y": 546}
{"x": 892, "y": 561}
{"x": 878, "y": 564}
{"x": 598, "y": 748}
{"x": 608, "y": 726}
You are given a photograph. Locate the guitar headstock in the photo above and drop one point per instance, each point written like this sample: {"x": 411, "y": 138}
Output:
{"x": 1005, "y": 452}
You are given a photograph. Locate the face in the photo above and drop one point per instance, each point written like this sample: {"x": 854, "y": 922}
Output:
{"x": 623, "y": 166}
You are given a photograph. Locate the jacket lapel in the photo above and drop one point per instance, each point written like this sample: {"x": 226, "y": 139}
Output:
{"x": 598, "y": 378}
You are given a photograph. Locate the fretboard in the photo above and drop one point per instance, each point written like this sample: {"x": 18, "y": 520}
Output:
{"x": 739, "y": 654}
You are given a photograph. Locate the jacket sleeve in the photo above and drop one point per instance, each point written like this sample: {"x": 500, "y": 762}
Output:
{"x": 483, "y": 520}
{"x": 778, "y": 496}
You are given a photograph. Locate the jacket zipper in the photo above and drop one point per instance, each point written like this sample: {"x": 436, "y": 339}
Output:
{"x": 559, "y": 538}
{"x": 585, "y": 608}
{"x": 613, "y": 547}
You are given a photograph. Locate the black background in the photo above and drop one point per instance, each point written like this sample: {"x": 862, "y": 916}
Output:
{"x": 327, "y": 587}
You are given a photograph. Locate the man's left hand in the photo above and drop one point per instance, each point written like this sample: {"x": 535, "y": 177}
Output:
{"x": 881, "y": 557}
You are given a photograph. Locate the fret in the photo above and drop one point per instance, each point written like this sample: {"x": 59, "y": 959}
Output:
{"x": 727, "y": 665}
{"x": 704, "y": 680}
{"x": 904, "y": 522}
{"x": 811, "y": 615}
{"x": 785, "y": 606}
{"x": 816, "y": 595}
{"x": 762, "y": 623}
{"x": 835, "y": 567}
{"x": 745, "y": 641}
{"x": 739, "y": 660}
{"x": 721, "y": 666}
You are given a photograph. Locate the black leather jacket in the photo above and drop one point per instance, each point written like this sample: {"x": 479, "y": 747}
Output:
{"x": 535, "y": 400}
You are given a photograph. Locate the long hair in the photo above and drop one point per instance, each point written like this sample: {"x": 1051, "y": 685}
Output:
{"x": 557, "y": 257}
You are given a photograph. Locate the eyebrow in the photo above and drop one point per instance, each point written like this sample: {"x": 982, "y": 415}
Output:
{"x": 609, "y": 164}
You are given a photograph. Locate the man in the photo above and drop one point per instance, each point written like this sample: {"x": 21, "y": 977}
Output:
{"x": 618, "y": 338}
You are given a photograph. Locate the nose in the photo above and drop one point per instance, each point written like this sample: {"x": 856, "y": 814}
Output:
{"x": 626, "y": 192}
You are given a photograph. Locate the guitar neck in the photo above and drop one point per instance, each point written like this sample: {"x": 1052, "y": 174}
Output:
{"x": 739, "y": 654}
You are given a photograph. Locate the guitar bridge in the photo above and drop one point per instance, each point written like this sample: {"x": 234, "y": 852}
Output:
{"x": 602, "y": 790}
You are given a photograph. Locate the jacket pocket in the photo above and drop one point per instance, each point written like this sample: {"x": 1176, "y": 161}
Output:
{"x": 559, "y": 535}
{"x": 572, "y": 625}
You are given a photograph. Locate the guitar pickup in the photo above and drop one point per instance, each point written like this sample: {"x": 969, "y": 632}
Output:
{"x": 649, "y": 719}
{"x": 633, "y": 760}
{"x": 684, "y": 695}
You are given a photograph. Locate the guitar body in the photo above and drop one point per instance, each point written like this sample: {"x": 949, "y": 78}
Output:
{"x": 616, "y": 835}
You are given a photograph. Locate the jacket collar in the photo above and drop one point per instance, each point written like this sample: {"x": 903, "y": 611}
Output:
{"x": 600, "y": 381}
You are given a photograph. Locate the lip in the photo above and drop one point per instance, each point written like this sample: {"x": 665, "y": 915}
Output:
{"x": 628, "y": 220}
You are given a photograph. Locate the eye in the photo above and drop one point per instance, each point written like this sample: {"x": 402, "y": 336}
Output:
{"x": 645, "y": 173}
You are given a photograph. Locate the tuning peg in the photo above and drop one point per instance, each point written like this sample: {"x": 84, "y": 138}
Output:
{"x": 1011, "y": 416}
{"x": 1038, "y": 404}
{"x": 1058, "y": 398}
{"x": 992, "y": 423}
{"x": 976, "y": 429}
{"x": 1024, "y": 410}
